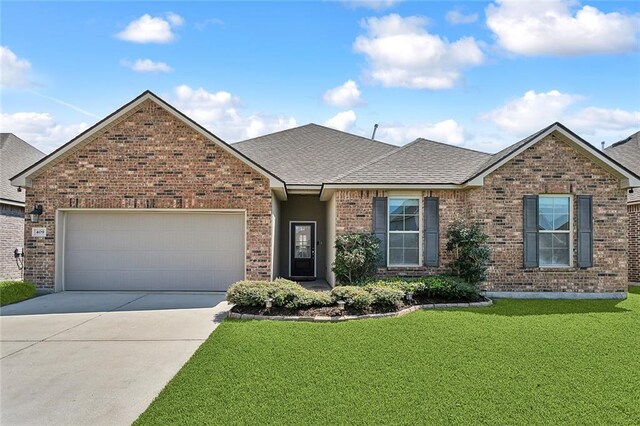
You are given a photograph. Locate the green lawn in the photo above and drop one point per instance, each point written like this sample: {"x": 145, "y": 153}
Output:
{"x": 518, "y": 362}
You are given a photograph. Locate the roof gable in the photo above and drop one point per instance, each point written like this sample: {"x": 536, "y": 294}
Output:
{"x": 24, "y": 178}
{"x": 627, "y": 177}
{"x": 15, "y": 155}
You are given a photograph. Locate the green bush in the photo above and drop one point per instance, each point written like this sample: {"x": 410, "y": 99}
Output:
{"x": 354, "y": 296}
{"x": 469, "y": 245}
{"x": 447, "y": 288}
{"x": 406, "y": 285}
{"x": 15, "y": 291}
{"x": 386, "y": 297}
{"x": 284, "y": 293}
{"x": 356, "y": 257}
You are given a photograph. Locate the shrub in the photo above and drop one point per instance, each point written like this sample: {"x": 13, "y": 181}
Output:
{"x": 406, "y": 285}
{"x": 447, "y": 288}
{"x": 15, "y": 291}
{"x": 386, "y": 297}
{"x": 356, "y": 257}
{"x": 354, "y": 296}
{"x": 472, "y": 253}
{"x": 284, "y": 293}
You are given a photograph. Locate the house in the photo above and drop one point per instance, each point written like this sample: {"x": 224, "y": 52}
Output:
{"x": 627, "y": 153}
{"x": 15, "y": 155}
{"x": 147, "y": 199}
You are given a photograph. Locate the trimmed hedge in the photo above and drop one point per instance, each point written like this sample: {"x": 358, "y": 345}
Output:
{"x": 354, "y": 296}
{"x": 444, "y": 287}
{"x": 15, "y": 291}
{"x": 284, "y": 293}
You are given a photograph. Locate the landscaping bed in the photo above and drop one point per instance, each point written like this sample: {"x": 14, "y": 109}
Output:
{"x": 284, "y": 298}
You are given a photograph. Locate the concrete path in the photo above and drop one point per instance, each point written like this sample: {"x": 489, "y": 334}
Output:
{"x": 80, "y": 358}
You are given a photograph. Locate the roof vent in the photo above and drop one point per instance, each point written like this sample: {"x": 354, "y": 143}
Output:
{"x": 375, "y": 127}
{"x": 602, "y": 145}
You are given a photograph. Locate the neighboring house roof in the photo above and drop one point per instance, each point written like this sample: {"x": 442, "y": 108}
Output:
{"x": 312, "y": 154}
{"x": 422, "y": 161}
{"x": 15, "y": 155}
{"x": 627, "y": 153}
{"x": 24, "y": 177}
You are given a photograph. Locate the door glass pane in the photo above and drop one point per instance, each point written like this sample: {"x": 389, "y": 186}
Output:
{"x": 303, "y": 241}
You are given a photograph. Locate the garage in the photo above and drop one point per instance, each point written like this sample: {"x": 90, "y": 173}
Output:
{"x": 109, "y": 250}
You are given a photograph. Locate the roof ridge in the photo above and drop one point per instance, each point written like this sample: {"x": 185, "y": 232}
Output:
{"x": 454, "y": 146}
{"x": 373, "y": 161}
{"x": 623, "y": 141}
{"x": 273, "y": 133}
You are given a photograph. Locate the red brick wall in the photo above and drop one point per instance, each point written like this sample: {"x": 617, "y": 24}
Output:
{"x": 11, "y": 236}
{"x": 149, "y": 159}
{"x": 634, "y": 242}
{"x": 552, "y": 166}
{"x": 354, "y": 210}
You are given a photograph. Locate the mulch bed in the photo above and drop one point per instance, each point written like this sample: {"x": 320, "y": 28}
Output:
{"x": 335, "y": 311}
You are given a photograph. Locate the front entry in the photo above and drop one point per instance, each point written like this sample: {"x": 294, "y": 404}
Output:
{"x": 302, "y": 240}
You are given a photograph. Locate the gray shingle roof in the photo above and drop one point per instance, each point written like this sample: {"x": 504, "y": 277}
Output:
{"x": 312, "y": 154}
{"x": 422, "y": 161}
{"x": 627, "y": 153}
{"x": 15, "y": 155}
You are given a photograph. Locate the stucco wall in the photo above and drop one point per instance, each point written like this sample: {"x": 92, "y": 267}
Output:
{"x": 149, "y": 159}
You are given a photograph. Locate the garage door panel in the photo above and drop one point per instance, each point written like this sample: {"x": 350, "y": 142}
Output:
{"x": 153, "y": 251}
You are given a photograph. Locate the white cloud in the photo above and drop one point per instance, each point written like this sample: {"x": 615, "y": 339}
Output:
{"x": 40, "y": 129}
{"x": 146, "y": 65}
{"x": 447, "y": 131}
{"x": 14, "y": 71}
{"x": 150, "y": 29}
{"x": 370, "y": 4}
{"x": 202, "y": 25}
{"x": 344, "y": 120}
{"x": 344, "y": 96}
{"x": 219, "y": 112}
{"x": 456, "y": 17}
{"x": 551, "y": 28}
{"x": 402, "y": 53}
{"x": 533, "y": 111}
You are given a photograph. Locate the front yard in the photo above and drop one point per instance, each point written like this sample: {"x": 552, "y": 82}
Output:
{"x": 518, "y": 362}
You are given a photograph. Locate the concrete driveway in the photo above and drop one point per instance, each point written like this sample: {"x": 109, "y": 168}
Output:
{"x": 94, "y": 357}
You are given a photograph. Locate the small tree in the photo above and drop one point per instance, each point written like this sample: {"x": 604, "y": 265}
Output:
{"x": 469, "y": 245}
{"x": 356, "y": 257}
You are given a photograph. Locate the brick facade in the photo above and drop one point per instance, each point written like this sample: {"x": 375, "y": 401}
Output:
{"x": 149, "y": 159}
{"x": 11, "y": 236}
{"x": 634, "y": 241}
{"x": 550, "y": 166}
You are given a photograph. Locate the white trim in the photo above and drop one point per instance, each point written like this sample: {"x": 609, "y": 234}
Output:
{"x": 24, "y": 179}
{"x": 313, "y": 244}
{"x": 570, "y": 231}
{"x": 61, "y": 221}
{"x": 12, "y": 203}
{"x": 329, "y": 188}
{"x": 405, "y": 197}
{"x": 303, "y": 189}
{"x": 626, "y": 179}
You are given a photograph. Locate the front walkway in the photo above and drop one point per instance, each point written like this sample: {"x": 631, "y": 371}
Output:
{"x": 97, "y": 358}
{"x": 317, "y": 285}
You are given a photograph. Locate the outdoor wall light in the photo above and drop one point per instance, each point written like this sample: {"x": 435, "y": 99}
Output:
{"x": 35, "y": 213}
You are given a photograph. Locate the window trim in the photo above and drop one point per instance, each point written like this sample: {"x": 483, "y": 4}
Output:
{"x": 570, "y": 232}
{"x": 419, "y": 231}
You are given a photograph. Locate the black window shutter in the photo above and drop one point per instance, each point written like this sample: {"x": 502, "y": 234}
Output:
{"x": 530, "y": 209}
{"x": 585, "y": 231}
{"x": 380, "y": 226}
{"x": 431, "y": 231}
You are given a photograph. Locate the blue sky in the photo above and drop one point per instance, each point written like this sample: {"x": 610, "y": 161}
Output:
{"x": 475, "y": 74}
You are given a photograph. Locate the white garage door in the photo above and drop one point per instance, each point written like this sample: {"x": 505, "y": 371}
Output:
{"x": 185, "y": 251}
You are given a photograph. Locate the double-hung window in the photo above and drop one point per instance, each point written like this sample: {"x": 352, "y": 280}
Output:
{"x": 554, "y": 230}
{"x": 404, "y": 232}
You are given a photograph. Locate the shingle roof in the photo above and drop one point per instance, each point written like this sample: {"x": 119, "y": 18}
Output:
{"x": 422, "y": 161}
{"x": 627, "y": 153}
{"x": 312, "y": 154}
{"x": 15, "y": 155}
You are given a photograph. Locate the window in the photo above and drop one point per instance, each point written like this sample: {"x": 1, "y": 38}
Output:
{"x": 404, "y": 231}
{"x": 554, "y": 230}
